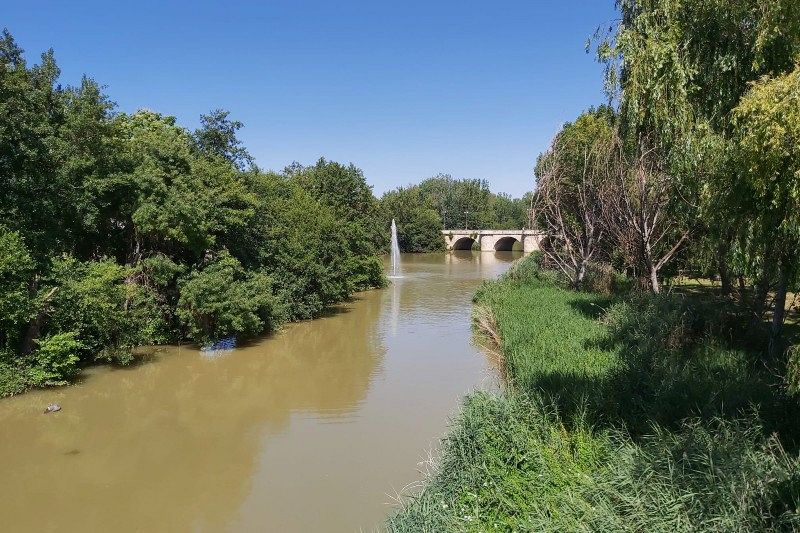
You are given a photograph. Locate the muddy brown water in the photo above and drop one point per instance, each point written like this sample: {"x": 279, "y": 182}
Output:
{"x": 315, "y": 428}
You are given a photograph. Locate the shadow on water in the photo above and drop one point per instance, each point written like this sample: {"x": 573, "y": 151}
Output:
{"x": 145, "y": 355}
{"x": 189, "y": 425}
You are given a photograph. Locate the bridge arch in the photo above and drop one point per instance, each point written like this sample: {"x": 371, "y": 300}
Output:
{"x": 463, "y": 243}
{"x": 507, "y": 244}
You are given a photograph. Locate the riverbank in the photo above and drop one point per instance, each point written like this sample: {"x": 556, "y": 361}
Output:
{"x": 626, "y": 412}
{"x": 329, "y": 414}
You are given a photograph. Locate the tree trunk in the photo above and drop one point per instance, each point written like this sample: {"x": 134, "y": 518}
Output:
{"x": 742, "y": 289}
{"x": 654, "y": 286}
{"x": 762, "y": 287}
{"x": 650, "y": 268}
{"x": 724, "y": 274}
{"x": 760, "y": 298}
{"x": 32, "y": 333}
{"x": 580, "y": 274}
{"x": 779, "y": 307}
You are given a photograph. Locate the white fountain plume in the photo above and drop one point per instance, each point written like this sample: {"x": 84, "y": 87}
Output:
{"x": 396, "y": 272}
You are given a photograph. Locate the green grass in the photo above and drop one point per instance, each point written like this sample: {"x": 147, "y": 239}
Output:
{"x": 636, "y": 414}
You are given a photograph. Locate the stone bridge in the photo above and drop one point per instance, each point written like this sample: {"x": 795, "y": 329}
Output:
{"x": 491, "y": 240}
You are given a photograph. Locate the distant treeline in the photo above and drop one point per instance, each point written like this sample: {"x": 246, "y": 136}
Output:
{"x": 421, "y": 211}
{"x": 120, "y": 230}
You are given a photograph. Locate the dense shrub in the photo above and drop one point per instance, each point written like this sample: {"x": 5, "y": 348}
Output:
{"x": 223, "y": 299}
{"x": 108, "y": 314}
{"x": 601, "y": 278}
{"x": 55, "y": 360}
{"x": 14, "y": 377}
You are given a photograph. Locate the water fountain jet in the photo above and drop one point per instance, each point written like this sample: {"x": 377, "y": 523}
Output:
{"x": 396, "y": 272}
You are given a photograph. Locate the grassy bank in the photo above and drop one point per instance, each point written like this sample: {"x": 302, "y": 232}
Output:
{"x": 635, "y": 413}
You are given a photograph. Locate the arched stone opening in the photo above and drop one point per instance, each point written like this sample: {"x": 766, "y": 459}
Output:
{"x": 464, "y": 243}
{"x": 507, "y": 244}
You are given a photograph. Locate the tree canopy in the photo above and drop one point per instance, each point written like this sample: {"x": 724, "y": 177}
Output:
{"x": 126, "y": 229}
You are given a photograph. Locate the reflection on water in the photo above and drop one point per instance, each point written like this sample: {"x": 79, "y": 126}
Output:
{"x": 308, "y": 430}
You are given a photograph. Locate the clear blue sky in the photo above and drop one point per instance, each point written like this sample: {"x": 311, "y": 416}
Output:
{"x": 404, "y": 90}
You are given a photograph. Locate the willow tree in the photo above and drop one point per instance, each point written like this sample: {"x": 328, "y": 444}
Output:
{"x": 650, "y": 77}
{"x": 768, "y": 145}
{"x": 677, "y": 68}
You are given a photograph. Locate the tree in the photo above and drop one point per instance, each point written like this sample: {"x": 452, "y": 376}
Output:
{"x": 678, "y": 68}
{"x": 217, "y": 138}
{"x": 223, "y": 299}
{"x": 418, "y": 225}
{"x": 768, "y": 145}
{"x": 572, "y": 180}
{"x": 103, "y": 214}
{"x": 30, "y": 113}
{"x": 345, "y": 191}
{"x": 642, "y": 207}
{"x": 16, "y": 302}
{"x": 509, "y": 213}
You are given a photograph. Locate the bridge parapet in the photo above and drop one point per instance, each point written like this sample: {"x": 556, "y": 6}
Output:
{"x": 492, "y": 240}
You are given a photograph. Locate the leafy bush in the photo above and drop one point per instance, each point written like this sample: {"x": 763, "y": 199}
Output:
{"x": 14, "y": 377}
{"x": 526, "y": 270}
{"x": 223, "y": 299}
{"x": 601, "y": 278}
{"x": 108, "y": 314}
{"x": 56, "y": 359}
{"x": 367, "y": 273}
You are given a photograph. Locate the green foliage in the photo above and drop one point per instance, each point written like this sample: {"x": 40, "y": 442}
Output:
{"x": 768, "y": 145}
{"x": 418, "y": 226}
{"x": 160, "y": 270}
{"x": 108, "y": 313}
{"x": 103, "y": 214}
{"x": 422, "y": 233}
{"x": 14, "y": 377}
{"x": 222, "y": 299}
{"x": 314, "y": 261}
{"x": 16, "y": 273}
{"x": 55, "y": 361}
{"x": 345, "y": 193}
{"x": 217, "y": 139}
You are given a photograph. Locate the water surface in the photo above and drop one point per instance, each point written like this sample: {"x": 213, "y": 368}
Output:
{"x": 312, "y": 429}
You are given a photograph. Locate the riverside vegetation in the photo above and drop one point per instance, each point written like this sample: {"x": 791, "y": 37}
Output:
{"x": 124, "y": 230}
{"x": 636, "y": 401}
{"x": 623, "y": 412}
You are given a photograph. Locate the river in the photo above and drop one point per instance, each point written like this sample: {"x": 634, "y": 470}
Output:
{"x": 315, "y": 428}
